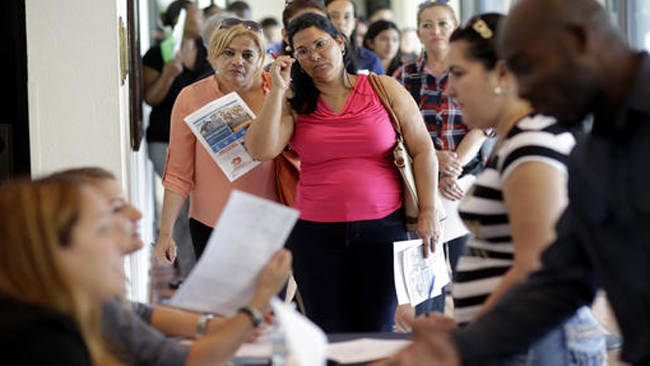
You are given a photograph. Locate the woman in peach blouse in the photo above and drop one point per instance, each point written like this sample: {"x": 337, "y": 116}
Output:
{"x": 236, "y": 53}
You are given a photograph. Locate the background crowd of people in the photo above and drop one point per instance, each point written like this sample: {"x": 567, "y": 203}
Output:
{"x": 323, "y": 84}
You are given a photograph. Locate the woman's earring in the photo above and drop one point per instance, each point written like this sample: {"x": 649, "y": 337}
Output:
{"x": 498, "y": 90}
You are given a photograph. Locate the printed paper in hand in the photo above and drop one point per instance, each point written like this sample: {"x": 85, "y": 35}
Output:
{"x": 220, "y": 127}
{"x": 306, "y": 342}
{"x": 417, "y": 278}
{"x": 248, "y": 233}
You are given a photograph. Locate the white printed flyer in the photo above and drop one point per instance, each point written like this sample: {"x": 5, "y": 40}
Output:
{"x": 220, "y": 126}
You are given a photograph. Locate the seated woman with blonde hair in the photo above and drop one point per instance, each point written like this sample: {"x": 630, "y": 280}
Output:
{"x": 58, "y": 263}
{"x": 141, "y": 334}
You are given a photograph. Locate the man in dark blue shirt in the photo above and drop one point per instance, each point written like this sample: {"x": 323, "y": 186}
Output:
{"x": 571, "y": 63}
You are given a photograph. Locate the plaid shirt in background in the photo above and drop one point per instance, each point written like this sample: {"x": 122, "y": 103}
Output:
{"x": 441, "y": 113}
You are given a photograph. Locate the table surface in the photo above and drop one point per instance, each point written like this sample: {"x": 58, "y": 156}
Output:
{"x": 331, "y": 338}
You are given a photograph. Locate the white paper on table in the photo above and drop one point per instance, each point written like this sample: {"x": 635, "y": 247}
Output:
{"x": 178, "y": 31}
{"x": 262, "y": 348}
{"x": 453, "y": 227}
{"x": 364, "y": 349}
{"x": 414, "y": 275}
{"x": 307, "y": 344}
{"x": 248, "y": 233}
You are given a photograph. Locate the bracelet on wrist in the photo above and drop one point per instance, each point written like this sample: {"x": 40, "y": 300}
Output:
{"x": 202, "y": 325}
{"x": 254, "y": 314}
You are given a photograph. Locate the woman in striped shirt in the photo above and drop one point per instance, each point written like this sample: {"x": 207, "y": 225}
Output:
{"x": 517, "y": 199}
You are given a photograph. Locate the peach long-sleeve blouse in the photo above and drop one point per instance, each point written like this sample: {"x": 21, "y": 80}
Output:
{"x": 190, "y": 171}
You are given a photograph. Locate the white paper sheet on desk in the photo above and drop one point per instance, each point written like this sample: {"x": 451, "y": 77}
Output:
{"x": 364, "y": 349}
{"x": 414, "y": 274}
{"x": 306, "y": 342}
{"x": 453, "y": 226}
{"x": 260, "y": 349}
{"x": 248, "y": 233}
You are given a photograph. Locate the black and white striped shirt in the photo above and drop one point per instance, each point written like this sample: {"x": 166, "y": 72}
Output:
{"x": 491, "y": 252}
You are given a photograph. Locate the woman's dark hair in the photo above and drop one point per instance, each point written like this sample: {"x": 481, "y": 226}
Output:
{"x": 480, "y": 32}
{"x": 170, "y": 17}
{"x": 305, "y": 93}
{"x": 373, "y": 31}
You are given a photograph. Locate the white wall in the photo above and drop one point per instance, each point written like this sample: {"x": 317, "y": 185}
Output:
{"x": 73, "y": 84}
{"x": 78, "y": 111}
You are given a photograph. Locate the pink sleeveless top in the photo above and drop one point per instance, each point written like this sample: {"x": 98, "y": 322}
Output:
{"x": 347, "y": 171}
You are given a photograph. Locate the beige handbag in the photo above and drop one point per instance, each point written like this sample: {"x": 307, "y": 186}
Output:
{"x": 404, "y": 164}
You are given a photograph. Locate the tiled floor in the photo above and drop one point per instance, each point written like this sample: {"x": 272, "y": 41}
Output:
{"x": 162, "y": 274}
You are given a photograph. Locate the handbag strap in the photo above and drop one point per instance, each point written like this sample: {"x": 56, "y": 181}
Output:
{"x": 381, "y": 94}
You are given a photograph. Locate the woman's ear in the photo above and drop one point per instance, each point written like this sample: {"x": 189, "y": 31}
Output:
{"x": 284, "y": 36}
{"x": 341, "y": 41}
{"x": 505, "y": 79}
{"x": 503, "y": 75}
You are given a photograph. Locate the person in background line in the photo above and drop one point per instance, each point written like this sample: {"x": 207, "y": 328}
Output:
{"x": 383, "y": 13}
{"x": 211, "y": 10}
{"x": 343, "y": 13}
{"x": 292, "y": 10}
{"x": 409, "y": 45}
{"x": 237, "y": 55}
{"x": 140, "y": 333}
{"x": 361, "y": 30}
{"x": 350, "y": 192}
{"x": 272, "y": 34}
{"x": 59, "y": 263}
{"x": 163, "y": 80}
{"x": 457, "y": 145}
{"x": 383, "y": 39}
{"x": 571, "y": 62}
{"x": 241, "y": 9}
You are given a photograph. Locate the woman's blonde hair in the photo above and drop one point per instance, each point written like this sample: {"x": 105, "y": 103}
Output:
{"x": 36, "y": 219}
{"x": 432, "y": 4}
{"x": 221, "y": 39}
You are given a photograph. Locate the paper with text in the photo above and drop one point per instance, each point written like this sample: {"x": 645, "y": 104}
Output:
{"x": 364, "y": 349}
{"x": 248, "y": 233}
{"x": 220, "y": 127}
{"x": 417, "y": 278}
{"x": 307, "y": 344}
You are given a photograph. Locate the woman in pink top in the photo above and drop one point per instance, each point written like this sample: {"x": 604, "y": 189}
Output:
{"x": 349, "y": 194}
{"x": 237, "y": 55}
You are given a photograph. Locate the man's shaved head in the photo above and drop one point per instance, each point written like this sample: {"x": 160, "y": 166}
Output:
{"x": 554, "y": 48}
{"x": 535, "y": 18}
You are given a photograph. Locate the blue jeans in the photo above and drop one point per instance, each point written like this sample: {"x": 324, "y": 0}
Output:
{"x": 344, "y": 272}
{"x": 577, "y": 342}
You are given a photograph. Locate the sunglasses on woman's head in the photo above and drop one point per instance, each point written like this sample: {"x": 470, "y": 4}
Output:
{"x": 248, "y": 24}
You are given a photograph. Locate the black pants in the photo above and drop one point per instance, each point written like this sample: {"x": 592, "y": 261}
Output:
{"x": 344, "y": 272}
{"x": 200, "y": 234}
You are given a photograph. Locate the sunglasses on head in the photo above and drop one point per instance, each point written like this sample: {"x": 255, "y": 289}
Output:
{"x": 248, "y": 24}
